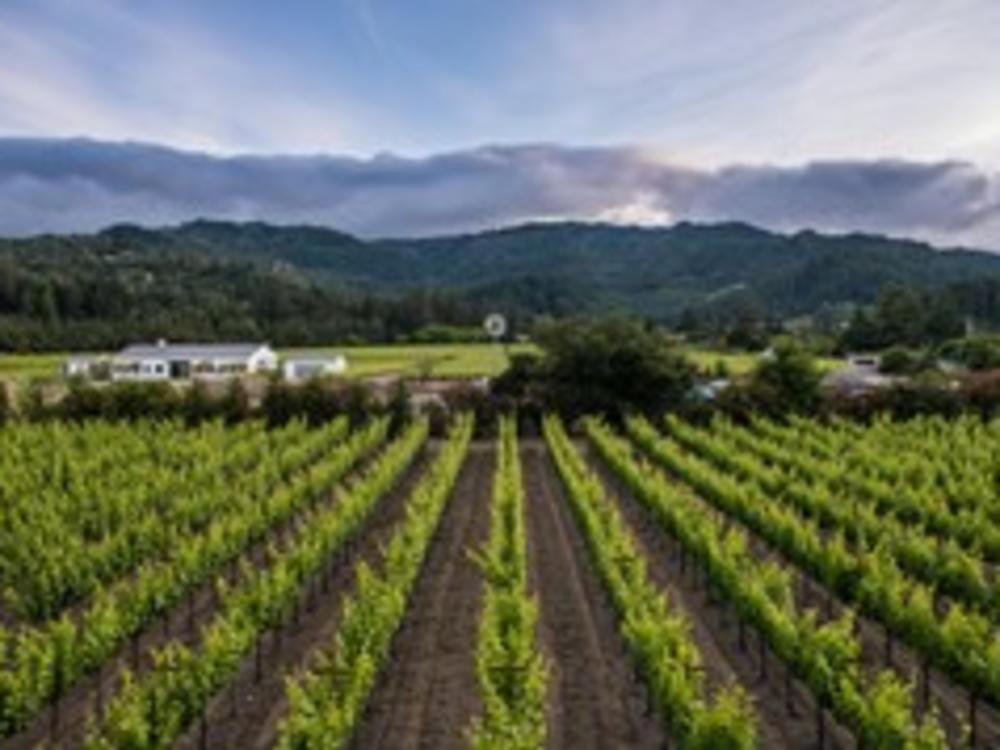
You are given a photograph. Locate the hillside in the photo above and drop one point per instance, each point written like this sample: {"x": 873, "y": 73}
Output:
{"x": 300, "y": 285}
{"x": 656, "y": 271}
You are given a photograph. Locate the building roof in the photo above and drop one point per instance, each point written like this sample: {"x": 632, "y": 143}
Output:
{"x": 164, "y": 350}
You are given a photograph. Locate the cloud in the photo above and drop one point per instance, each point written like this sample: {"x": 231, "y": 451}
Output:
{"x": 110, "y": 69}
{"x": 51, "y": 185}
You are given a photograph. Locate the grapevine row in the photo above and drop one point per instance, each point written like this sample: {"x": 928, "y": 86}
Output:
{"x": 950, "y": 569}
{"x": 326, "y": 703}
{"x": 42, "y": 663}
{"x": 957, "y": 514}
{"x": 511, "y": 672}
{"x": 824, "y": 656}
{"x": 152, "y": 711}
{"x": 659, "y": 638}
{"x": 47, "y": 583}
{"x": 962, "y": 644}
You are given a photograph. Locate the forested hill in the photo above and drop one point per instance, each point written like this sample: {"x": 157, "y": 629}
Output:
{"x": 657, "y": 271}
{"x": 305, "y": 284}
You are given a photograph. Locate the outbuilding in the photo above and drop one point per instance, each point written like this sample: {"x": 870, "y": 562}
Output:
{"x": 306, "y": 367}
{"x": 79, "y": 366}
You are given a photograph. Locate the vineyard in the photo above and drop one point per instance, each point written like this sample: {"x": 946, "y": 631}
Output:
{"x": 654, "y": 584}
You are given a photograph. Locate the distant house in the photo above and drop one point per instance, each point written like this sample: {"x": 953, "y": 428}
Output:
{"x": 166, "y": 361}
{"x": 860, "y": 376}
{"x": 306, "y": 367}
{"x": 84, "y": 367}
{"x": 709, "y": 390}
{"x": 864, "y": 361}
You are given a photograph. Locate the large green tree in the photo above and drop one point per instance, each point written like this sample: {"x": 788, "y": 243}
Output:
{"x": 610, "y": 366}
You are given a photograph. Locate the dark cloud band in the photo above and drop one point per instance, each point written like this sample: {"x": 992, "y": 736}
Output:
{"x": 81, "y": 185}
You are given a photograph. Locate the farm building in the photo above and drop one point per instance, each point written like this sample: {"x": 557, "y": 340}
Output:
{"x": 860, "y": 376}
{"x": 306, "y": 367}
{"x": 166, "y": 361}
{"x": 84, "y": 367}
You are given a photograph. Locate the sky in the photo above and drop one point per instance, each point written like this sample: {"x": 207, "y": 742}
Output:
{"x": 394, "y": 117}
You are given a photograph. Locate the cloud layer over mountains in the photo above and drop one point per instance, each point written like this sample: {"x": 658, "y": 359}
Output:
{"x": 82, "y": 185}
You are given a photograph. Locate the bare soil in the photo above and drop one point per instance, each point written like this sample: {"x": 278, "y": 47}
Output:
{"x": 429, "y": 695}
{"x": 248, "y": 712}
{"x": 731, "y": 654}
{"x": 595, "y": 702}
{"x": 950, "y": 702}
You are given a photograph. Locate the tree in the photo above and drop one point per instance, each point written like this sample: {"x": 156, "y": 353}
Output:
{"x": 787, "y": 381}
{"x": 899, "y": 360}
{"x": 611, "y": 366}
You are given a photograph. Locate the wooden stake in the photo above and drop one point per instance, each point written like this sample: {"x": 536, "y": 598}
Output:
{"x": 762, "y": 653}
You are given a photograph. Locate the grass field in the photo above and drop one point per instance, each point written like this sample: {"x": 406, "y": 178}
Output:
{"x": 437, "y": 360}
{"x": 742, "y": 363}
{"x": 27, "y": 366}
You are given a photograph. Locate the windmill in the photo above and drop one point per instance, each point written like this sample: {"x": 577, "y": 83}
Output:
{"x": 495, "y": 326}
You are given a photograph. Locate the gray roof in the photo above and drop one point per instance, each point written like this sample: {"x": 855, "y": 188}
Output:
{"x": 190, "y": 351}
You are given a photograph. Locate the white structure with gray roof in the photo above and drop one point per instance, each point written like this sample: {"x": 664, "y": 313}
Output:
{"x": 166, "y": 361}
{"x": 305, "y": 366}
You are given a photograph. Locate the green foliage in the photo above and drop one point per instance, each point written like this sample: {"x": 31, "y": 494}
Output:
{"x": 611, "y": 366}
{"x": 904, "y": 316}
{"x": 326, "y": 703}
{"x": 512, "y": 674}
{"x": 658, "y": 637}
{"x": 154, "y": 710}
{"x": 6, "y": 405}
{"x": 975, "y": 352}
{"x": 788, "y": 380}
{"x": 898, "y": 360}
{"x": 302, "y": 285}
{"x": 825, "y": 657}
{"x": 245, "y": 482}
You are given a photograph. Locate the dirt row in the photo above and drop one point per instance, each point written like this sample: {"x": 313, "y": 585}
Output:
{"x": 65, "y": 726}
{"x": 249, "y": 710}
{"x": 595, "y": 703}
{"x": 947, "y": 700}
{"x": 429, "y": 695}
{"x": 732, "y": 653}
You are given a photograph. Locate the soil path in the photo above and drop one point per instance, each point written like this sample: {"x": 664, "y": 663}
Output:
{"x": 248, "y": 712}
{"x": 785, "y": 709}
{"x": 594, "y": 701}
{"x": 429, "y": 695}
{"x": 950, "y": 701}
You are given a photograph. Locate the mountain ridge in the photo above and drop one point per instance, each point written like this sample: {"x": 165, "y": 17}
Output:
{"x": 208, "y": 273}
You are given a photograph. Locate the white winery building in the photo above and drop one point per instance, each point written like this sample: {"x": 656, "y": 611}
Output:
{"x": 167, "y": 361}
